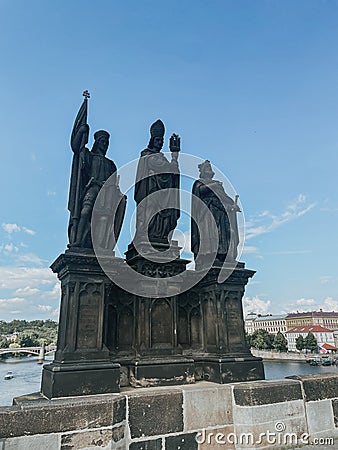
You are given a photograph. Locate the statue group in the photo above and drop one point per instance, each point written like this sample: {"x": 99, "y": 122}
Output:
{"x": 156, "y": 193}
{"x": 110, "y": 336}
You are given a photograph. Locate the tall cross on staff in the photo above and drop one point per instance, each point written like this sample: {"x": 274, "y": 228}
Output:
{"x": 86, "y": 94}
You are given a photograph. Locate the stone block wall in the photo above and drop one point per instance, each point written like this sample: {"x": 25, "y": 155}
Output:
{"x": 289, "y": 413}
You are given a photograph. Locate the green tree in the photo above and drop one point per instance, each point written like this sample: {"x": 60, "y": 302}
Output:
{"x": 248, "y": 339}
{"x": 300, "y": 343}
{"x": 311, "y": 342}
{"x": 3, "y": 343}
{"x": 262, "y": 340}
{"x": 39, "y": 330}
{"x": 280, "y": 343}
{"x": 29, "y": 340}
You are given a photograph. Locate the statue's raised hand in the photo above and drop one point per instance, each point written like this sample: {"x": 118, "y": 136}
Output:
{"x": 175, "y": 143}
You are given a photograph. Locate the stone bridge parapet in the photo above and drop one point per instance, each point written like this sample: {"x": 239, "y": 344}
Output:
{"x": 288, "y": 413}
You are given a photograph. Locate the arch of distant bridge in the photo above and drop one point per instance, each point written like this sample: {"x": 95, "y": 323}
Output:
{"x": 30, "y": 350}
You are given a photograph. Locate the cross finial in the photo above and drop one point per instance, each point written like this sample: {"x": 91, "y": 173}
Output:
{"x": 86, "y": 94}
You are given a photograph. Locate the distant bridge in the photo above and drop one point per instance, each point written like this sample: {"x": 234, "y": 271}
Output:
{"x": 30, "y": 350}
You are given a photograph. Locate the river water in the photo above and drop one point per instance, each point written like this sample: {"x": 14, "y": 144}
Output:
{"x": 27, "y": 375}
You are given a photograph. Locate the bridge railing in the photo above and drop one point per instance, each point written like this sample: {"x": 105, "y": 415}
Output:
{"x": 35, "y": 350}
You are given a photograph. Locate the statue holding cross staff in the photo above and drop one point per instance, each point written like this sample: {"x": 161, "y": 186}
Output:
{"x": 90, "y": 170}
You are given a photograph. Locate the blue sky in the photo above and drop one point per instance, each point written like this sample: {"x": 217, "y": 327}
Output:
{"x": 250, "y": 85}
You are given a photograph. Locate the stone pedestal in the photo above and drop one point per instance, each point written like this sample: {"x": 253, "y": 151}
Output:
{"x": 82, "y": 363}
{"x": 222, "y": 355}
{"x": 140, "y": 330}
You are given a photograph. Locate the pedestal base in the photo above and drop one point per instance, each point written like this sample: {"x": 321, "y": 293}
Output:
{"x": 229, "y": 369}
{"x": 68, "y": 380}
{"x": 160, "y": 372}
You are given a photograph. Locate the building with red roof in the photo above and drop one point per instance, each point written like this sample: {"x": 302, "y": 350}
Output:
{"x": 323, "y": 335}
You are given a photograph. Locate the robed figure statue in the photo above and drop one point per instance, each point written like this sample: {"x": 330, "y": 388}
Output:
{"x": 221, "y": 240}
{"x": 157, "y": 189}
{"x": 90, "y": 170}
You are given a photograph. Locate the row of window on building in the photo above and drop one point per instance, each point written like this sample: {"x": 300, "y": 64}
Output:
{"x": 323, "y": 325}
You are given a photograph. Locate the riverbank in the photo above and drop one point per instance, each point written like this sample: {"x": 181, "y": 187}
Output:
{"x": 280, "y": 356}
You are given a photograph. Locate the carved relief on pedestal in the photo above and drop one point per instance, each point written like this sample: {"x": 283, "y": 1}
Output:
{"x": 209, "y": 312}
{"x": 234, "y": 314}
{"x": 119, "y": 322}
{"x": 189, "y": 321}
{"x": 161, "y": 323}
{"x": 88, "y": 324}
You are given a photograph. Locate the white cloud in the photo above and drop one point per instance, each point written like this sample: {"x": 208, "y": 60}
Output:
{"x": 10, "y": 248}
{"x": 330, "y": 304}
{"x": 45, "y": 308}
{"x": 295, "y": 209}
{"x": 28, "y": 231}
{"x": 310, "y": 304}
{"x": 11, "y": 301}
{"x": 10, "y": 227}
{"x": 14, "y": 228}
{"x": 31, "y": 258}
{"x": 56, "y": 313}
{"x": 256, "y": 305}
{"x": 55, "y": 293}
{"x": 27, "y": 291}
{"x": 305, "y": 301}
{"x": 20, "y": 277}
{"x": 249, "y": 249}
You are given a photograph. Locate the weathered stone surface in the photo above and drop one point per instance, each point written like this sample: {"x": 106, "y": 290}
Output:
{"x": 45, "y": 442}
{"x": 319, "y": 386}
{"x": 118, "y": 433}
{"x": 271, "y": 413}
{"x": 335, "y": 411}
{"x": 229, "y": 370}
{"x": 207, "y": 406}
{"x": 319, "y": 416}
{"x": 266, "y": 392}
{"x": 70, "y": 380}
{"x": 155, "y": 444}
{"x": 93, "y": 439}
{"x": 55, "y": 417}
{"x": 181, "y": 442}
{"x": 155, "y": 412}
{"x": 119, "y": 410}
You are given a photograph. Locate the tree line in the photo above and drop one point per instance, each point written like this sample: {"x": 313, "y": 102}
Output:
{"x": 263, "y": 340}
{"x": 32, "y": 333}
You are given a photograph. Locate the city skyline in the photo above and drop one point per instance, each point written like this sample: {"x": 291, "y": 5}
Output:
{"x": 251, "y": 86}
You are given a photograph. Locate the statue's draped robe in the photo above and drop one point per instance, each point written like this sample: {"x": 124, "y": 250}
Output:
{"x": 89, "y": 171}
{"x": 156, "y": 216}
{"x": 206, "y": 238}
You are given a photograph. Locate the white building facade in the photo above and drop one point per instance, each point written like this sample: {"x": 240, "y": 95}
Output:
{"x": 323, "y": 335}
{"x": 271, "y": 323}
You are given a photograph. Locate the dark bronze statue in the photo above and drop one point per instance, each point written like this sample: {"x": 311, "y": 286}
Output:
{"x": 223, "y": 239}
{"x": 157, "y": 215}
{"x": 90, "y": 170}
